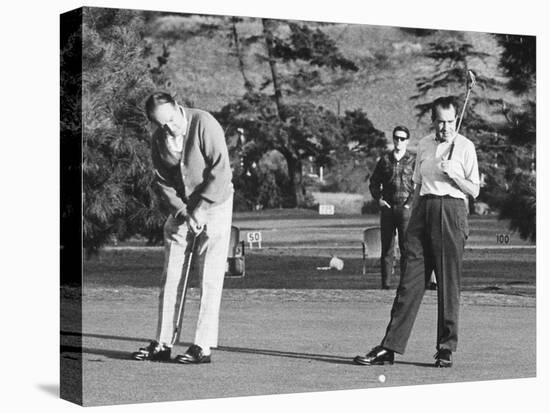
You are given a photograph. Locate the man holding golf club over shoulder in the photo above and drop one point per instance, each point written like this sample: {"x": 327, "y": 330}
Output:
{"x": 193, "y": 178}
{"x": 446, "y": 173}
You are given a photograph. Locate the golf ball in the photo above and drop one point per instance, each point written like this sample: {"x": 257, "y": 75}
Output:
{"x": 381, "y": 378}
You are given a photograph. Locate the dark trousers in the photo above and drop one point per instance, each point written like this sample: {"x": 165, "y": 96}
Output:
{"x": 435, "y": 239}
{"x": 392, "y": 220}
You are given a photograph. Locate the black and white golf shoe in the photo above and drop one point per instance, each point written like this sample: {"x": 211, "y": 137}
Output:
{"x": 153, "y": 352}
{"x": 193, "y": 355}
{"x": 378, "y": 356}
{"x": 443, "y": 358}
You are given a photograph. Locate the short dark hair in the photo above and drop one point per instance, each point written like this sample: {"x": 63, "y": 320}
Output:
{"x": 444, "y": 102}
{"x": 402, "y": 129}
{"x": 157, "y": 99}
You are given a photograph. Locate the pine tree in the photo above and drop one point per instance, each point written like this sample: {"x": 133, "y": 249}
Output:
{"x": 519, "y": 205}
{"x": 116, "y": 79}
{"x": 292, "y": 133}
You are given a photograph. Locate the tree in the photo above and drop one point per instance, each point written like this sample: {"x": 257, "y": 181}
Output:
{"x": 505, "y": 150}
{"x": 360, "y": 135}
{"x": 118, "y": 199}
{"x": 453, "y": 58}
{"x": 306, "y": 131}
{"x": 518, "y": 61}
{"x": 355, "y": 156}
{"x": 297, "y": 131}
{"x": 236, "y": 41}
{"x": 520, "y": 206}
{"x": 418, "y": 31}
{"x": 284, "y": 44}
{"x": 267, "y": 26}
{"x": 312, "y": 48}
{"x": 350, "y": 164}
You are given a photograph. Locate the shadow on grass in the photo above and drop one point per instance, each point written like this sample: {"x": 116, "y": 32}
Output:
{"x": 290, "y": 354}
{"x": 124, "y": 355}
{"x": 308, "y": 356}
{"x": 77, "y": 353}
{"x": 410, "y": 363}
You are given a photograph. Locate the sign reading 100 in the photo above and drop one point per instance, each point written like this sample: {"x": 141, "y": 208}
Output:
{"x": 503, "y": 239}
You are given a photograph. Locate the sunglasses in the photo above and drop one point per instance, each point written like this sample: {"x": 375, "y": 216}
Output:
{"x": 397, "y": 138}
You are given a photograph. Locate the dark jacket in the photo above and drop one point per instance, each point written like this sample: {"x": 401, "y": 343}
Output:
{"x": 392, "y": 180}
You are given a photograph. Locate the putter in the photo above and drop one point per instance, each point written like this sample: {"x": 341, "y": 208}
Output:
{"x": 471, "y": 82}
{"x": 184, "y": 292}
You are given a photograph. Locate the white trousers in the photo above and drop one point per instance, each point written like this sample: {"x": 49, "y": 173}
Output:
{"x": 211, "y": 267}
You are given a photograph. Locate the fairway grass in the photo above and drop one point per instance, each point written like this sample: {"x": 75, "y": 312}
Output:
{"x": 287, "y": 327}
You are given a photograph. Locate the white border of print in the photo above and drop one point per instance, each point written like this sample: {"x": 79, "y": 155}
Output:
{"x": 30, "y": 207}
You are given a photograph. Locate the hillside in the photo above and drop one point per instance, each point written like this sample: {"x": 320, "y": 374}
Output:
{"x": 204, "y": 71}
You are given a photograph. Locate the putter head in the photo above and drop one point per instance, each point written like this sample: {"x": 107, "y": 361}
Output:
{"x": 471, "y": 79}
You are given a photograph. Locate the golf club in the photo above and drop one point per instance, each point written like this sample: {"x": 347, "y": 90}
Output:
{"x": 471, "y": 81}
{"x": 184, "y": 291}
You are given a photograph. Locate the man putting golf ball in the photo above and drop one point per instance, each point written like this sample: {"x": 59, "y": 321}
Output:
{"x": 193, "y": 179}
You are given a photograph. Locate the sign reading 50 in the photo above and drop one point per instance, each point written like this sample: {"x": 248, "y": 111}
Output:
{"x": 254, "y": 237}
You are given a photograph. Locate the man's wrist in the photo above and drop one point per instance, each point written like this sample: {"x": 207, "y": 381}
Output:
{"x": 180, "y": 216}
{"x": 203, "y": 204}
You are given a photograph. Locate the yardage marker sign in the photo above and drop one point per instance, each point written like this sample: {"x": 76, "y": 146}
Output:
{"x": 254, "y": 237}
{"x": 326, "y": 209}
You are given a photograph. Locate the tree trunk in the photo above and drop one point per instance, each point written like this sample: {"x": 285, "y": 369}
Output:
{"x": 247, "y": 83}
{"x": 268, "y": 34}
{"x": 296, "y": 185}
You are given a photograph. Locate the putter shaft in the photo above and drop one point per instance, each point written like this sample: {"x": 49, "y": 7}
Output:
{"x": 184, "y": 291}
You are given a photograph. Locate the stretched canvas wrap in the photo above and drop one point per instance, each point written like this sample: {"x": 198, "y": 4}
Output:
{"x": 307, "y": 110}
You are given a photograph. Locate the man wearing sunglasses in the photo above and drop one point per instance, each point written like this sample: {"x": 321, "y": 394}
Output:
{"x": 392, "y": 186}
